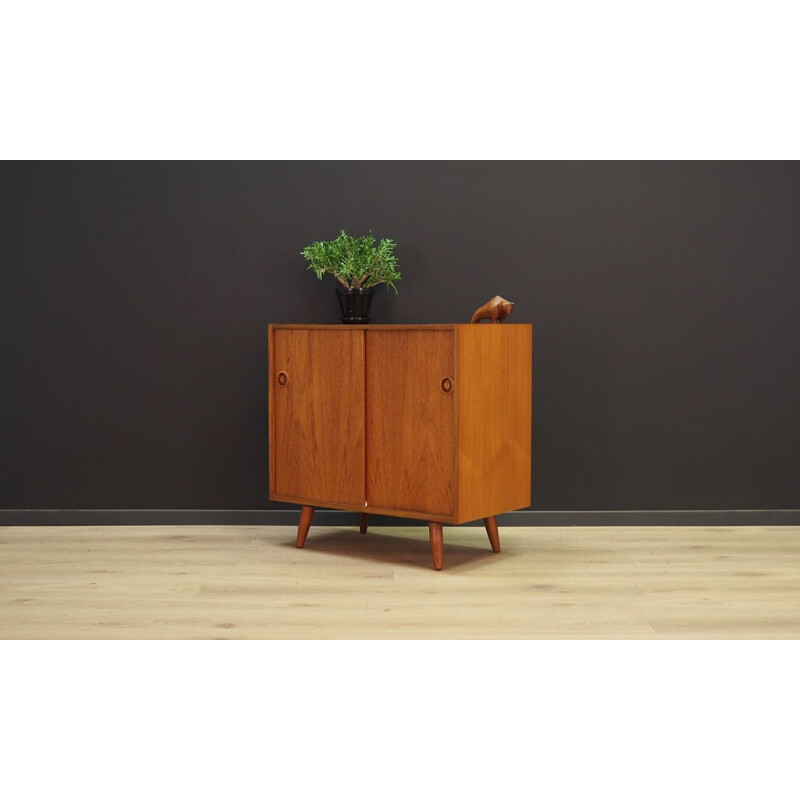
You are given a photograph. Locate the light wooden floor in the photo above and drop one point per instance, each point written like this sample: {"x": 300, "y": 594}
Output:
{"x": 200, "y": 582}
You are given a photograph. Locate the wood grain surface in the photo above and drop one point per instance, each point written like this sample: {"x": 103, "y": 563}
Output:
{"x": 410, "y": 421}
{"x": 318, "y": 416}
{"x": 494, "y": 419}
{"x": 248, "y": 582}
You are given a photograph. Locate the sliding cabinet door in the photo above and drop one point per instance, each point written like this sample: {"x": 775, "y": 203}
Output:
{"x": 410, "y": 420}
{"x": 318, "y": 416}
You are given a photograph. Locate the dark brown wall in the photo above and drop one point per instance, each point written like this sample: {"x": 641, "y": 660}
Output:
{"x": 664, "y": 297}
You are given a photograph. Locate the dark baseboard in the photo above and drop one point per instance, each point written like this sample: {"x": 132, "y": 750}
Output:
{"x": 525, "y": 518}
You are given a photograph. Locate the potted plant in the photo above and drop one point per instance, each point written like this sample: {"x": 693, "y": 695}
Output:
{"x": 359, "y": 264}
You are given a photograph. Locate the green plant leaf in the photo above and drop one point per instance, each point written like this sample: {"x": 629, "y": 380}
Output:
{"x": 354, "y": 261}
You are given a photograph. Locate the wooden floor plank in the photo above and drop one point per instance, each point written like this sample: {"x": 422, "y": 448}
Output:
{"x": 251, "y": 582}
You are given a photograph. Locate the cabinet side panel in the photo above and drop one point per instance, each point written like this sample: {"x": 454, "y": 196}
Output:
{"x": 410, "y": 421}
{"x": 318, "y": 415}
{"x": 494, "y": 419}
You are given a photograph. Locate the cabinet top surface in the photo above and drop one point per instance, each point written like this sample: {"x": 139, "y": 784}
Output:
{"x": 441, "y": 327}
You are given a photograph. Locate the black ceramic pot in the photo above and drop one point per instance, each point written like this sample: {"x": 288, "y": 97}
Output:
{"x": 354, "y": 304}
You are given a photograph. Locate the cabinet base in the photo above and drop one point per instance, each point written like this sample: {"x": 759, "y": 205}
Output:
{"x": 434, "y": 529}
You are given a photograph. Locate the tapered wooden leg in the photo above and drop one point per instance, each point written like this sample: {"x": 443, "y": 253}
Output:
{"x": 437, "y": 544}
{"x": 363, "y": 522}
{"x": 305, "y": 523}
{"x": 491, "y": 529}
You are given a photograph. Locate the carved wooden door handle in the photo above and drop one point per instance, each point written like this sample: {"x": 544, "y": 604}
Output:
{"x": 283, "y": 378}
{"x": 447, "y": 385}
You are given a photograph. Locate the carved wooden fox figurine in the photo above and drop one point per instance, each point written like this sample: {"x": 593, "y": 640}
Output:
{"x": 497, "y": 309}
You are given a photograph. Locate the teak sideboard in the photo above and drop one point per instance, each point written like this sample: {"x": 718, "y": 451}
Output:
{"x": 430, "y": 422}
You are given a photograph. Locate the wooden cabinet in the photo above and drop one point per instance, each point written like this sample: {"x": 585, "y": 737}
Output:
{"x": 430, "y": 422}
